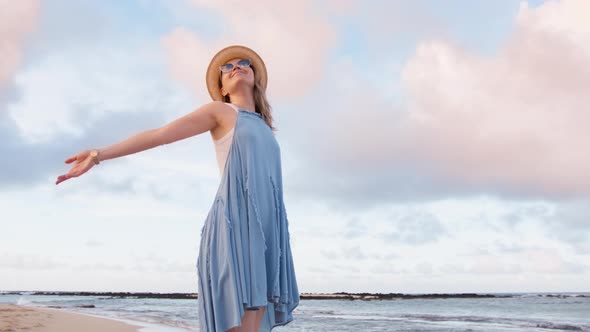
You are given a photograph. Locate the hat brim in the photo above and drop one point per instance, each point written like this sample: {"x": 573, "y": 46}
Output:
{"x": 226, "y": 54}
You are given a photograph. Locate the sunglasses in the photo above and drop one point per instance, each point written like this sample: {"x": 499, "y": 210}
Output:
{"x": 244, "y": 63}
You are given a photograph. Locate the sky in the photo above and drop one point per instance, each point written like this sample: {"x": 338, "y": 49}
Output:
{"x": 426, "y": 146}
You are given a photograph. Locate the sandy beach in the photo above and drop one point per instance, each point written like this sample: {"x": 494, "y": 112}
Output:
{"x": 14, "y": 318}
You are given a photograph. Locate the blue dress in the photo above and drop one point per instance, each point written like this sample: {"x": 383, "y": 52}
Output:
{"x": 245, "y": 259}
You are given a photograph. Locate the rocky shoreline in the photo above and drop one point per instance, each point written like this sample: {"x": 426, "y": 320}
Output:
{"x": 303, "y": 296}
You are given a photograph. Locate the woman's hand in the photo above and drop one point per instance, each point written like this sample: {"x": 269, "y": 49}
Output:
{"x": 83, "y": 162}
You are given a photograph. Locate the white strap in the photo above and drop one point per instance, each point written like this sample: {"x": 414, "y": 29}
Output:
{"x": 233, "y": 106}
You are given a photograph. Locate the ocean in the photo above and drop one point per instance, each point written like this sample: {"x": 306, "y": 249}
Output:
{"x": 519, "y": 312}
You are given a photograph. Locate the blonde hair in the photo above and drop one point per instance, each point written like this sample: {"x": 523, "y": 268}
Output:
{"x": 260, "y": 100}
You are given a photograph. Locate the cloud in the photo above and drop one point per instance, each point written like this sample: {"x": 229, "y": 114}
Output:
{"x": 92, "y": 243}
{"x": 388, "y": 269}
{"x": 17, "y": 20}
{"x": 359, "y": 253}
{"x": 30, "y": 262}
{"x": 355, "y": 229}
{"x": 529, "y": 260}
{"x": 424, "y": 268}
{"x": 101, "y": 266}
{"x": 570, "y": 223}
{"x": 293, "y": 42}
{"x": 187, "y": 59}
{"x": 415, "y": 227}
{"x": 522, "y": 213}
{"x": 508, "y": 247}
{"x": 511, "y": 124}
{"x": 31, "y": 163}
{"x": 52, "y": 115}
{"x": 353, "y": 253}
{"x": 387, "y": 24}
{"x": 152, "y": 262}
{"x": 65, "y": 91}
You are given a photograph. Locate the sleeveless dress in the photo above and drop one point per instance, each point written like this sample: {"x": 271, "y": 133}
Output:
{"x": 245, "y": 259}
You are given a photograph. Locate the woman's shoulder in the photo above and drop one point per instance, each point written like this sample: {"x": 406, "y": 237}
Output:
{"x": 219, "y": 106}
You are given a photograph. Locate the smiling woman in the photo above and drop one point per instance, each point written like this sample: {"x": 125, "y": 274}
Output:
{"x": 245, "y": 266}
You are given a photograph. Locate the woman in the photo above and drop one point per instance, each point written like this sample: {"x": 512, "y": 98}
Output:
{"x": 245, "y": 267}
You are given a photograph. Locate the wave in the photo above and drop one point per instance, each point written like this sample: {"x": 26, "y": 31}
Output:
{"x": 23, "y": 301}
{"x": 518, "y": 322}
{"x": 480, "y": 320}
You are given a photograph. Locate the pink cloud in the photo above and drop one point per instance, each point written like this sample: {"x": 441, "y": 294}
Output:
{"x": 188, "y": 56}
{"x": 519, "y": 118}
{"x": 514, "y": 122}
{"x": 17, "y": 20}
{"x": 293, "y": 42}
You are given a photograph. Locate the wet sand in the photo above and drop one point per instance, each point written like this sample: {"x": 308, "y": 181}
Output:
{"x": 15, "y": 318}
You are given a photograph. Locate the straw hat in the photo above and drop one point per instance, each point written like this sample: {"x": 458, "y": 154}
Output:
{"x": 226, "y": 54}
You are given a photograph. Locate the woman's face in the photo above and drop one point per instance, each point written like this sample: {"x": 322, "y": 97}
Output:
{"x": 237, "y": 78}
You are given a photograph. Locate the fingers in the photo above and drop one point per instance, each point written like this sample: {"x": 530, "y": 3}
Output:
{"x": 69, "y": 160}
{"x": 62, "y": 178}
{"x": 74, "y": 171}
{"x": 75, "y": 157}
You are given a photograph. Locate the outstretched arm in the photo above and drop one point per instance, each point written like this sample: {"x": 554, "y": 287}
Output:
{"x": 197, "y": 122}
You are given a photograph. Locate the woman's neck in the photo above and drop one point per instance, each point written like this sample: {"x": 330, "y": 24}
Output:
{"x": 244, "y": 101}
